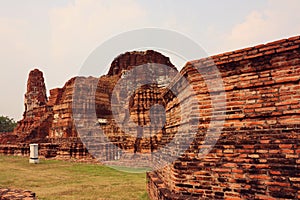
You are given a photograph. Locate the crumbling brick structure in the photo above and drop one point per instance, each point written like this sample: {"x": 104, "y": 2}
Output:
{"x": 49, "y": 121}
{"x": 257, "y": 153}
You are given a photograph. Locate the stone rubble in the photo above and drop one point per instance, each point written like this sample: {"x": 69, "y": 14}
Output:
{"x": 16, "y": 194}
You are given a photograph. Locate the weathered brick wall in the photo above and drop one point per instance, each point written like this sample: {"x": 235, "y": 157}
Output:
{"x": 62, "y": 149}
{"x": 60, "y": 103}
{"x": 129, "y": 60}
{"x": 35, "y": 114}
{"x": 50, "y": 122}
{"x": 257, "y": 154}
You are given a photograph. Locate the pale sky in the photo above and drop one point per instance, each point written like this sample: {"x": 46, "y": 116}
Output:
{"x": 57, "y": 36}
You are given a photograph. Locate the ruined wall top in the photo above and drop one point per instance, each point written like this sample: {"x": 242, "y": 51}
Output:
{"x": 251, "y": 52}
{"x": 129, "y": 59}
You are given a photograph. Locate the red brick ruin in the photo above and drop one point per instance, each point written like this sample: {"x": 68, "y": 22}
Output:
{"x": 255, "y": 157}
{"x": 49, "y": 121}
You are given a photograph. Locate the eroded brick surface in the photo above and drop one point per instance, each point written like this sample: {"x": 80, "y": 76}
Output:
{"x": 257, "y": 154}
{"x": 48, "y": 121}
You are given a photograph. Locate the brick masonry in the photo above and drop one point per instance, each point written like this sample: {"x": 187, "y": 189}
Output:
{"x": 255, "y": 157}
{"x": 49, "y": 122}
{"x": 257, "y": 153}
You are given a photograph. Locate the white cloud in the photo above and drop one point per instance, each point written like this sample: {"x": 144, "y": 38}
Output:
{"x": 278, "y": 20}
{"x": 80, "y": 27}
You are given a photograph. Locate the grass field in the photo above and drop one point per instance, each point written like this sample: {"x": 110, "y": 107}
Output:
{"x": 52, "y": 179}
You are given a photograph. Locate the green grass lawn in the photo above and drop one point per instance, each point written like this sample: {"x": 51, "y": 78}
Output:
{"x": 52, "y": 179}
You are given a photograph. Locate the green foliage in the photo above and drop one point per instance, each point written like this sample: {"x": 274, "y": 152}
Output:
{"x": 7, "y": 124}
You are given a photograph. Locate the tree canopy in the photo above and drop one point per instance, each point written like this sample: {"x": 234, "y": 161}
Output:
{"x": 7, "y": 124}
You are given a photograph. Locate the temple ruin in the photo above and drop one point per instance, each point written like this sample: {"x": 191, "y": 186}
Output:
{"x": 48, "y": 121}
{"x": 257, "y": 152}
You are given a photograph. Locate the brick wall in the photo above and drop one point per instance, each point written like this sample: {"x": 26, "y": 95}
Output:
{"x": 257, "y": 154}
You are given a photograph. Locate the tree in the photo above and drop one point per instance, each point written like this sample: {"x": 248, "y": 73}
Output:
{"x": 7, "y": 124}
